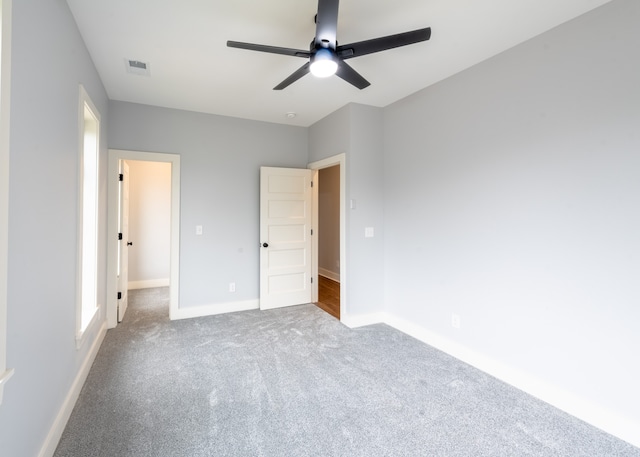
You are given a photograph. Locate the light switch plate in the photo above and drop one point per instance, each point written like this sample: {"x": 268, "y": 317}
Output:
{"x": 368, "y": 232}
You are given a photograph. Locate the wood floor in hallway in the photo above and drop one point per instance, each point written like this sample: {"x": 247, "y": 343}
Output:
{"x": 329, "y": 296}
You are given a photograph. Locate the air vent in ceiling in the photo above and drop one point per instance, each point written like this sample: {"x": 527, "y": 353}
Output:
{"x": 137, "y": 67}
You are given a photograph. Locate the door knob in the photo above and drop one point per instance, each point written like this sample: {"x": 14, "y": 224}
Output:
{"x": 129, "y": 243}
{"x": 265, "y": 245}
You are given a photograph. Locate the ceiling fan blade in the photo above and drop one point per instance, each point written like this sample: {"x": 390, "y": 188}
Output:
{"x": 351, "y": 76}
{"x": 362, "y": 48}
{"x": 270, "y": 49}
{"x": 296, "y": 75}
{"x": 327, "y": 23}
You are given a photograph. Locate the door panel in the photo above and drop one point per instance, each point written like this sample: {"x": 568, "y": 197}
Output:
{"x": 284, "y": 233}
{"x": 123, "y": 277}
{"x": 285, "y": 228}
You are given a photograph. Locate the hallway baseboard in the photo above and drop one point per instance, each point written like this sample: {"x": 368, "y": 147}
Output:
{"x": 329, "y": 274}
{"x": 149, "y": 283}
{"x": 60, "y": 422}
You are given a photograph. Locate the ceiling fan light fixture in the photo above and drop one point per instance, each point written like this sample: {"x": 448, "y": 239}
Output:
{"x": 323, "y": 63}
{"x": 325, "y": 58}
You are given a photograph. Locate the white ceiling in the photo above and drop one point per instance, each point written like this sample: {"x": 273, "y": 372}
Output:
{"x": 191, "y": 68}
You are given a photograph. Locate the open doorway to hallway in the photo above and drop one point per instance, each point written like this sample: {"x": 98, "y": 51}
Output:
{"x": 149, "y": 227}
{"x": 329, "y": 240}
{"x": 171, "y": 247}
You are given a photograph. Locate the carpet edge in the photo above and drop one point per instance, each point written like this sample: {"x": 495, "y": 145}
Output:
{"x": 57, "y": 428}
{"x": 587, "y": 411}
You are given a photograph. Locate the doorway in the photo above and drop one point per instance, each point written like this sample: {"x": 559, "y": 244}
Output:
{"x": 329, "y": 221}
{"x": 329, "y": 240}
{"x": 117, "y": 157}
{"x": 147, "y": 237}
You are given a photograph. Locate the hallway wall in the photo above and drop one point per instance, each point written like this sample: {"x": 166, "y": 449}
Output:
{"x": 149, "y": 223}
{"x": 329, "y": 222}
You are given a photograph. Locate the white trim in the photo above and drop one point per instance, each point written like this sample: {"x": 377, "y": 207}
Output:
{"x": 361, "y": 320}
{"x": 85, "y": 102}
{"x": 4, "y": 377}
{"x": 609, "y": 421}
{"x": 314, "y": 239}
{"x": 332, "y": 275}
{"x": 149, "y": 283}
{"x": 5, "y": 83}
{"x": 82, "y": 337}
{"x": 596, "y": 415}
{"x": 60, "y": 422}
{"x": 216, "y": 308}
{"x": 339, "y": 159}
{"x": 112, "y": 228}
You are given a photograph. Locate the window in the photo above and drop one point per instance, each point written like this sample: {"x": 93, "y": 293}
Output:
{"x": 87, "y": 214}
{"x": 5, "y": 36}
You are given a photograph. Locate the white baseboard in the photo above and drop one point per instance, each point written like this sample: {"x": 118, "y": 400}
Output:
{"x": 602, "y": 418}
{"x": 60, "y": 422}
{"x": 217, "y": 308}
{"x": 148, "y": 283}
{"x": 329, "y": 274}
{"x": 361, "y": 320}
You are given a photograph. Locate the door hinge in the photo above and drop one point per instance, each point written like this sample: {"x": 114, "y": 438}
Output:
{"x": 119, "y": 295}
{"x": 311, "y": 183}
{"x": 311, "y": 280}
{"x": 120, "y": 177}
{"x": 119, "y": 236}
{"x": 311, "y": 232}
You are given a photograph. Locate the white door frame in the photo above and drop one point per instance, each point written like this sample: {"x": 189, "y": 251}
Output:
{"x": 339, "y": 159}
{"x": 112, "y": 227}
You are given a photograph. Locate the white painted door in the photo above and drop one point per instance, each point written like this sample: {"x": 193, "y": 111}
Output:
{"x": 123, "y": 270}
{"x": 285, "y": 237}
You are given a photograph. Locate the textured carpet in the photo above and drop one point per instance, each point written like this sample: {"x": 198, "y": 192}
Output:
{"x": 296, "y": 382}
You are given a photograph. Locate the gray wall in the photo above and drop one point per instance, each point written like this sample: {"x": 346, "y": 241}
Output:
{"x": 49, "y": 60}
{"x": 220, "y": 159}
{"x": 511, "y": 198}
{"x": 356, "y": 130}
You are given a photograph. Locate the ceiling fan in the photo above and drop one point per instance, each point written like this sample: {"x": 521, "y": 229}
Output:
{"x": 326, "y": 57}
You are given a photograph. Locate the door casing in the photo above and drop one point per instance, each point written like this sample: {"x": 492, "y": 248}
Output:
{"x": 341, "y": 160}
{"x": 112, "y": 228}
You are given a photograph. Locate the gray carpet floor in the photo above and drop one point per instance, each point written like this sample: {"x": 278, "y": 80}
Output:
{"x": 296, "y": 382}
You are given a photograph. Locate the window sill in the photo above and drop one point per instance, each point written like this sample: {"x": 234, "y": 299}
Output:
{"x": 4, "y": 377}
{"x": 81, "y": 335}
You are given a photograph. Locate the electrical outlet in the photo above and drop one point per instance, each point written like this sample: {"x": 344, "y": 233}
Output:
{"x": 455, "y": 321}
{"x": 232, "y": 287}
{"x": 198, "y": 229}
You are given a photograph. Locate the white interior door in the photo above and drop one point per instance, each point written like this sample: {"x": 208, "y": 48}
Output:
{"x": 285, "y": 237}
{"x": 124, "y": 243}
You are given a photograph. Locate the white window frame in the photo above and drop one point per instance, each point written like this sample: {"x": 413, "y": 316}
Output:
{"x": 88, "y": 234}
{"x": 5, "y": 73}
